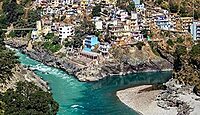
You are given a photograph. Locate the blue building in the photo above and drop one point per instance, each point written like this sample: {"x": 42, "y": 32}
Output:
{"x": 90, "y": 42}
{"x": 137, "y": 2}
{"x": 195, "y": 30}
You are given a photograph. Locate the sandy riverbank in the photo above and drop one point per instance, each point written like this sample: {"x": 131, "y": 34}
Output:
{"x": 183, "y": 101}
{"x": 143, "y": 102}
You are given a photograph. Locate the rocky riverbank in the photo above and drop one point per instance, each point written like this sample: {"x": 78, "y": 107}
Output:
{"x": 22, "y": 74}
{"x": 95, "y": 72}
{"x": 176, "y": 99}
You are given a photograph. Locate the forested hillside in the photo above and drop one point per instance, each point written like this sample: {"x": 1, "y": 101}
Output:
{"x": 25, "y": 98}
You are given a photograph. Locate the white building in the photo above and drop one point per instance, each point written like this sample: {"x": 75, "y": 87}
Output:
{"x": 134, "y": 21}
{"x": 41, "y": 2}
{"x": 34, "y": 34}
{"x": 104, "y": 48}
{"x": 99, "y": 25}
{"x": 56, "y": 3}
{"x": 123, "y": 15}
{"x": 138, "y": 36}
{"x": 195, "y": 30}
{"x": 66, "y": 31}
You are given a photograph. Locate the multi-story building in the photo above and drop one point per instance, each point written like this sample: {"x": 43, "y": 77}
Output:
{"x": 137, "y": 2}
{"x": 134, "y": 22}
{"x": 186, "y": 23}
{"x": 164, "y": 23}
{"x": 66, "y": 31}
{"x": 104, "y": 48}
{"x": 56, "y": 3}
{"x": 195, "y": 30}
{"x": 90, "y": 42}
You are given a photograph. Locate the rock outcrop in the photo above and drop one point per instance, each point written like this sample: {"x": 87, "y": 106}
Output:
{"x": 135, "y": 61}
{"x": 21, "y": 73}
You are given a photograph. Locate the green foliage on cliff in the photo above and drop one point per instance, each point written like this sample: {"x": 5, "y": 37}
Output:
{"x": 180, "y": 40}
{"x": 49, "y": 36}
{"x": 96, "y": 10}
{"x": 183, "y": 7}
{"x": 28, "y": 99}
{"x": 170, "y": 42}
{"x": 17, "y": 15}
{"x": 52, "y": 47}
{"x": 174, "y": 8}
{"x": 53, "y": 43}
{"x": 33, "y": 16}
{"x": 187, "y": 66}
{"x": 195, "y": 52}
{"x": 153, "y": 46}
{"x": 8, "y": 60}
{"x": 130, "y": 7}
{"x": 180, "y": 50}
{"x": 12, "y": 10}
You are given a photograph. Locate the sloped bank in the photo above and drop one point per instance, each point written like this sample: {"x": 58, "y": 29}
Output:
{"x": 176, "y": 99}
{"x": 22, "y": 74}
{"x": 93, "y": 73}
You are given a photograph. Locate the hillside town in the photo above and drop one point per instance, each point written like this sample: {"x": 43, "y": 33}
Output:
{"x": 102, "y": 37}
{"x": 51, "y": 49}
{"x": 88, "y": 33}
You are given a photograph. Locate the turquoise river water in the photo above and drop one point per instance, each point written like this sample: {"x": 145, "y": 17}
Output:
{"x": 96, "y": 98}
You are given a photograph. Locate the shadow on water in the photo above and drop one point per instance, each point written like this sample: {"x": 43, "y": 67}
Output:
{"x": 100, "y": 97}
{"x": 96, "y": 98}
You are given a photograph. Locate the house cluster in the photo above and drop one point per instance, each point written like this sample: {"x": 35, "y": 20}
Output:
{"x": 120, "y": 26}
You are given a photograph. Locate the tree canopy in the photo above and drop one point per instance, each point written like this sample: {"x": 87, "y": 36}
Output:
{"x": 29, "y": 99}
{"x": 12, "y": 10}
{"x": 96, "y": 10}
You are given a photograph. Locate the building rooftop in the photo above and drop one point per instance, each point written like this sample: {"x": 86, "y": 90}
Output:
{"x": 90, "y": 53}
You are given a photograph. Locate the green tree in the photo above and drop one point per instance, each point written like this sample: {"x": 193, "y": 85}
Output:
{"x": 196, "y": 14}
{"x": 33, "y": 16}
{"x": 49, "y": 36}
{"x": 170, "y": 42}
{"x": 8, "y": 60}
{"x": 165, "y": 5}
{"x": 12, "y": 10}
{"x": 183, "y": 12}
{"x": 3, "y": 21}
{"x": 180, "y": 50}
{"x": 180, "y": 40}
{"x": 173, "y": 7}
{"x": 29, "y": 99}
{"x": 158, "y": 2}
{"x": 130, "y": 7}
{"x": 96, "y": 10}
{"x": 195, "y": 52}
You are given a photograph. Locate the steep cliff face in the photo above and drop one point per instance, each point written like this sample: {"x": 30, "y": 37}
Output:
{"x": 126, "y": 60}
{"x": 187, "y": 69}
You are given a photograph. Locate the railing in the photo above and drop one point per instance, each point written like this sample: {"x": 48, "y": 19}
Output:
{"x": 18, "y": 29}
